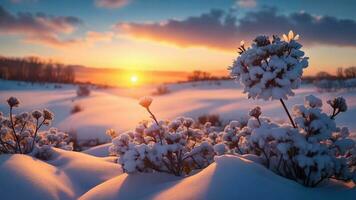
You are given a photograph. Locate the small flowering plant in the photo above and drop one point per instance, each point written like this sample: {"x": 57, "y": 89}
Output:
{"x": 270, "y": 68}
{"x": 311, "y": 149}
{"x": 174, "y": 147}
{"x": 21, "y": 133}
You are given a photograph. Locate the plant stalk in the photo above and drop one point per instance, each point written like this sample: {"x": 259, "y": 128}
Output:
{"x": 290, "y": 117}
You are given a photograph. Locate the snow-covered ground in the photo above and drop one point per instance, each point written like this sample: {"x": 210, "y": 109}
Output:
{"x": 67, "y": 176}
{"x": 93, "y": 175}
{"x": 118, "y": 108}
{"x": 230, "y": 177}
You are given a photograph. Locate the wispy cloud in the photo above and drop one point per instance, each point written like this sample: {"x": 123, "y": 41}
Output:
{"x": 47, "y": 30}
{"x": 38, "y": 27}
{"x": 246, "y": 3}
{"x": 111, "y": 3}
{"x": 222, "y": 30}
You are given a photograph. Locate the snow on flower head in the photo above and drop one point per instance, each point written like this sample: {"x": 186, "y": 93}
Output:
{"x": 270, "y": 68}
{"x": 13, "y": 102}
{"x": 48, "y": 115}
{"x": 313, "y": 101}
{"x": 145, "y": 102}
{"x": 255, "y": 112}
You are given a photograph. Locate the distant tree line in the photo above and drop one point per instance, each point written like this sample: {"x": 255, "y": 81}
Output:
{"x": 34, "y": 69}
{"x": 341, "y": 74}
{"x": 203, "y": 76}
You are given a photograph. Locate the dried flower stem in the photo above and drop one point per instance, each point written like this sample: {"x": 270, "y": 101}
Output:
{"x": 14, "y": 132}
{"x": 155, "y": 119}
{"x": 35, "y": 134}
{"x": 290, "y": 117}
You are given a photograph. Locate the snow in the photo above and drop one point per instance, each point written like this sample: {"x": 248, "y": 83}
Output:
{"x": 99, "y": 151}
{"x": 117, "y": 109}
{"x": 230, "y": 177}
{"x": 270, "y": 68}
{"x": 92, "y": 175}
{"x": 67, "y": 176}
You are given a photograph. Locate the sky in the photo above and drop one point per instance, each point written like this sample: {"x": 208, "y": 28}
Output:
{"x": 173, "y": 35}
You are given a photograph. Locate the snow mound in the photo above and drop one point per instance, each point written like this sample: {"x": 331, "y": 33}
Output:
{"x": 99, "y": 151}
{"x": 22, "y": 177}
{"x": 133, "y": 186}
{"x": 231, "y": 177}
{"x": 67, "y": 176}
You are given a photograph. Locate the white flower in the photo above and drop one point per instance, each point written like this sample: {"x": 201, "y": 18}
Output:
{"x": 242, "y": 43}
{"x": 145, "y": 102}
{"x": 290, "y": 36}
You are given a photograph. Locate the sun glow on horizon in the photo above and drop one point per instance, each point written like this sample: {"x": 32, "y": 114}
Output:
{"x": 134, "y": 79}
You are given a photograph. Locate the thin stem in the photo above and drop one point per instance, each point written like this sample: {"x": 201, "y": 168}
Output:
{"x": 258, "y": 119}
{"x": 334, "y": 113}
{"x": 290, "y": 117}
{"x": 14, "y": 132}
{"x": 3, "y": 144}
{"x": 35, "y": 135}
{"x": 154, "y": 118}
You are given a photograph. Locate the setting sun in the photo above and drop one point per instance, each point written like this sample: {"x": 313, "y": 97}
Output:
{"x": 134, "y": 79}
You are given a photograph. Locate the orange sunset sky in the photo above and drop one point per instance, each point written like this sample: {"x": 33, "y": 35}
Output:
{"x": 169, "y": 35}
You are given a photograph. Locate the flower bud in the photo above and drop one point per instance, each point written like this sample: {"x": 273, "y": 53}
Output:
{"x": 145, "y": 102}
{"x": 36, "y": 114}
{"x": 13, "y": 102}
{"x": 256, "y": 112}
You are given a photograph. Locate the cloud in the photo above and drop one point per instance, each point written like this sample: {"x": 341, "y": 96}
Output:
{"x": 246, "y": 3}
{"x": 88, "y": 40}
{"x": 92, "y": 36}
{"x": 111, "y": 3}
{"x": 214, "y": 29}
{"x": 222, "y": 30}
{"x": 38, "y": 27}
{"x": 313, "y": 29}
{"x": 47, "y": 30}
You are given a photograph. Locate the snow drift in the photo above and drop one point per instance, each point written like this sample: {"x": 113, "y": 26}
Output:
{"x": 67, "y": 176}
{"x": 230, "y": 177}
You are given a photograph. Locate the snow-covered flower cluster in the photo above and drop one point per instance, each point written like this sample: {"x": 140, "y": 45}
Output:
{"x": 314, "y": 151}
{"x": 20, "y": 133}
{"x": 174, "y": 147}
{"x": 270, "y": 68}
{"x": 51, "y": 138}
